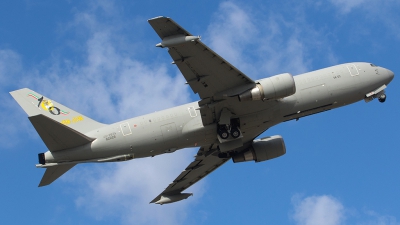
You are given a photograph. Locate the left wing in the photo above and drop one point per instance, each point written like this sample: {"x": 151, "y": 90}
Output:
{"x": 206, "y": 161}
{"x": 205, "y": 71}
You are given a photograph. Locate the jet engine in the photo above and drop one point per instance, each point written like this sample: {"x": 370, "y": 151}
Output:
{"x": 271, "y": 88}
{"x": 261, "y": 150}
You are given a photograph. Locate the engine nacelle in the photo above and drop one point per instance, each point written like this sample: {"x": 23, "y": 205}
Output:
{"x": 261, "y": 150}
{"x": 271, "y": 88}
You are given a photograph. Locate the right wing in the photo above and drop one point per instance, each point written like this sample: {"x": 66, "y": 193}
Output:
{"x": 206, "y": 161}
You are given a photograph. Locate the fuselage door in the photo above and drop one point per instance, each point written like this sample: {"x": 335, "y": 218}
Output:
{"x": 192, "y": 111}
{"x": 126, "y": 129}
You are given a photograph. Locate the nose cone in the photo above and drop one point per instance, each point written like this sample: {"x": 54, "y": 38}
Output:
{"x": 388, "y": 75}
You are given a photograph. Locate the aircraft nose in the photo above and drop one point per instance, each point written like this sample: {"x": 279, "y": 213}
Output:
{"x": 389, "y": 75}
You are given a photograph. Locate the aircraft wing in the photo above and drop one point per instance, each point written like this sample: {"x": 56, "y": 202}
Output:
{"x": 214, "y": 79}
{"x": 205, "y": 162}
{"x": 207, "y": 73}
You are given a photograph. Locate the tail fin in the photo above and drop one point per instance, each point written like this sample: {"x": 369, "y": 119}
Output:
{"x": 35, "y": 104}
{"x": 59, "y": 127}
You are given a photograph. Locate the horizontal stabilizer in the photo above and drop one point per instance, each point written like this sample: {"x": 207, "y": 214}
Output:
{"x": 57, "y": 136}
{"x": 54, "y": 172}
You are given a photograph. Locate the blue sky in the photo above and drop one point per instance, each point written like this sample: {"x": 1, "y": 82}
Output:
{"x": 99, "y": 58}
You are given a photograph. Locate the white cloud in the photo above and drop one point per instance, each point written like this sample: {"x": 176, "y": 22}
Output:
{"x": 316, "y": 210}
{"x": 263, "y": 44}
{"x": 345, "y": 6}
{"x": 377, "y": 12}
{"x": 328, "y": 210}
{"x": 370, "y": 217}
{"x": 125, "y": 189}
{"x": 231, "y": 30}
{"x": 109, "y": 83}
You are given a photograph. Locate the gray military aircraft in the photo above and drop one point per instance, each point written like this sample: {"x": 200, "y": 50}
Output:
{"x": 232, "y": 112}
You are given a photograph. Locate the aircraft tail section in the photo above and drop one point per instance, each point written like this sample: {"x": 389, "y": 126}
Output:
{"x": 59, "y": 127}
{"x": 54, "y": 172}
{"x": 35, "y": 104}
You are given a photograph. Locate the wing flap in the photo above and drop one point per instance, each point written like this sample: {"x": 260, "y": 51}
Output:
{"x": 57, "y": 136}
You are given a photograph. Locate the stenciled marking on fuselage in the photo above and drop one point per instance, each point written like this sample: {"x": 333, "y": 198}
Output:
{"x": 110, "y": 136}
{"x": 48, "y": 105}
{"x": 337, "y": 76}
{"x": 165, "y": 117}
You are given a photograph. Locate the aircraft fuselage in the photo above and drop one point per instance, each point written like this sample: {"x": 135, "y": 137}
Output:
{"x": 182, "y": 127}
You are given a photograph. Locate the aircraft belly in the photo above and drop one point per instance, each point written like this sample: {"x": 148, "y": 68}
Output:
{"x": 290, "y": 104}
{"x": 254, "y": 120}
{"x": 159, "y": 136}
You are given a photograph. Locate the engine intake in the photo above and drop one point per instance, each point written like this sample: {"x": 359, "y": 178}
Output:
{"x": 271, "y": 88}
{"x": 261, "y": 150}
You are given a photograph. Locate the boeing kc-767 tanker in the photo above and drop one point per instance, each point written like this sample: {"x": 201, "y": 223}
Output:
{"x": 232, "y": 111}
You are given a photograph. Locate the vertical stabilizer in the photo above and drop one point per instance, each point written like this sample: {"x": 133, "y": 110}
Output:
{"x": 35, "y": 104}
{"x": 59, "y": 127}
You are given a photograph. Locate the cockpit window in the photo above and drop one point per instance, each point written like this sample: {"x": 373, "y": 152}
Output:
{"x": 373, "y": 65}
